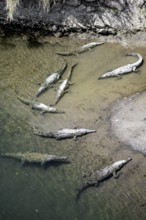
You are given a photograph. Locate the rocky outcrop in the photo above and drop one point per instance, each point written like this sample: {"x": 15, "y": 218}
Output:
{"x": 65, "y": 16}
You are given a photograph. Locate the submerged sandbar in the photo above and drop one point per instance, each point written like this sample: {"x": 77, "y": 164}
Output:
{"x": 129, "y": 121}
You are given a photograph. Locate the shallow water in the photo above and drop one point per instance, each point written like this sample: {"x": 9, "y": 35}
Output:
{"x": 31, "y": 192}
{"x": 128, "y": 121}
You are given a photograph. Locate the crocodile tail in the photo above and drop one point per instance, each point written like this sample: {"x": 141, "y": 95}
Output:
{"x": 129, "y": 159}
{"x": 132, "y": 54}
{"x": 101, "y": 77}
{"x": 64, "y": 67}
{"x": 81, "y": 189}
{"x": 60, "y": 112}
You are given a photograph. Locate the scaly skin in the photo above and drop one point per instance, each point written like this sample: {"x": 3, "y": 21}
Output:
{"x": 26, "y": 101}
{"x": 39, "y": 106}
{"x": 101, "y": 175}
{"x": 124, "y": 69}
{"x": 50, "y": 80}
{"x": 82, "y": 49}
{"x": 29, "y": 157}
{"x": 64, "y": 133}
{"x": 64, "y": 85}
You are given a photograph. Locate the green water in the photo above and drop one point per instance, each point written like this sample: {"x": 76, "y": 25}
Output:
{"x": 32, "y": 192}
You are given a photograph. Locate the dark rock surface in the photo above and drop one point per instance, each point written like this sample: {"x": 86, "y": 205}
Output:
{"x": 65, "y": 16}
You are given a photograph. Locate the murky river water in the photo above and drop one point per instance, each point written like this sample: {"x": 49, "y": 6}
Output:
{"x": 31, "y": 192}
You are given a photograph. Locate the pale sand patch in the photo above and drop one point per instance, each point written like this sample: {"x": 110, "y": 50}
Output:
{"x": 129, "y": 121}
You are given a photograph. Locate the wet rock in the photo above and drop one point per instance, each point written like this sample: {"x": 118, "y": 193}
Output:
{"x": 73, "y": 3}
{"x": 90, "y": 9}
{"x": 58, "y": 34}
{"x": 54, "y": 28}
{"x": 140, "y": 3}
{"x": 90, "y": 0}
{"x": 77, "y": 15}
{"x": 98, "y": 21}
{"x": 119, "y": 5}
{"x": 72, "y": 22}
{"x": 106, "y": 31}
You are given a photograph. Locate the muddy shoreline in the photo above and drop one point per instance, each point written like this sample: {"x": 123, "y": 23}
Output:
{"x": 128, "y": 121}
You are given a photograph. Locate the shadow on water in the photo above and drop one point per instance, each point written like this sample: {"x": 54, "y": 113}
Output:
{"x": 6, "y": 44}
{"x": 49, "y": 193}
{"x": 34, "y": 44}
{"x": 45, "y": 166}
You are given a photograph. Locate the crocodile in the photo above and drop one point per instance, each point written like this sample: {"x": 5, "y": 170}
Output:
{"x": 50, "y": 80}
{"x": 33, "y": 157}
{"x": 103, "y": 174}
{"x": 64, "y": 133}
{"x": 82, "y": 49}
{"x": 39, "y": 106}
{"x": 64, "y": 85}
{"x": 124, "y": 69}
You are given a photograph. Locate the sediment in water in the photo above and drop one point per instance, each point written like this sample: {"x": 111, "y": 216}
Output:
{"x": 129, "y": 121}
